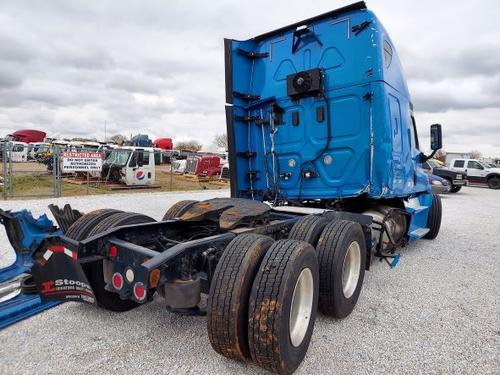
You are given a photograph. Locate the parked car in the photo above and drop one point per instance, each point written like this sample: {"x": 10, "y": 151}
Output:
{"x": 477, "y": 172}
{"x": 456, "y": 179}
{"x": 439, "y": 185}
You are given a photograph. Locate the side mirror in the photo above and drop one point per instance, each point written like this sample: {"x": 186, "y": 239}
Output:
{"x": 436, "y": 137}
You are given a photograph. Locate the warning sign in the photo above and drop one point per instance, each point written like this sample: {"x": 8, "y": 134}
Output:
{"x": 82, "y": 161}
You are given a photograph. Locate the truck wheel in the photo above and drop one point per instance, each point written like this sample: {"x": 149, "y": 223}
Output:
{"x": 308, "y": 228}
{"x": 494, "y": 183}
{"x": 117, "y": 220}
{"x": 283, "y": 304}
{"x": 342, "y": 258}
{"x": 434, "y": 218}
{"x": 80, "y": 228}
{"x": 94, "y": 270}
{"x": 178, "y": 209}
{"x": 227, "y": 310}
{"x": 455, "y": 189}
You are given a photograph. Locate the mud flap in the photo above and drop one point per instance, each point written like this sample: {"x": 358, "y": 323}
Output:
{"x": 60, "y": 277}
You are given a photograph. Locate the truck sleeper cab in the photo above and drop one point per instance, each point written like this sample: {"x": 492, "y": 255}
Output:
{"x": 325, "y": 177}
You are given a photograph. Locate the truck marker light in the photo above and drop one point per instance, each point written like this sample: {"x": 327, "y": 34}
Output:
{"x": 129, "y": 275}
{"x": 113, "y": 251}
{"x": 154, "y": 278}
{"x": 117, "y": 281}
{"x": 139, "y": 291}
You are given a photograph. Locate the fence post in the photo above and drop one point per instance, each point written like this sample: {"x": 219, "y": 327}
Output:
{"x": 172, "y": 159}
{"x": 4, "y": 170}
{"x": 11, "y": 179}
{"x": 56, "y": 172}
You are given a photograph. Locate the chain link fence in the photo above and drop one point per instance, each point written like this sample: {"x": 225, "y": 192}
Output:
{"x": 28, "y": 172}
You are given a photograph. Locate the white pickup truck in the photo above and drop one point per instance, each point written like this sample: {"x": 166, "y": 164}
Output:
{"x": 477, "y": 171}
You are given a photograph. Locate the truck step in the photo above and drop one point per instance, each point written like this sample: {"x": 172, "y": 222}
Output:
{"x": 416, "y": 209}
{"x": 21, "y": 307}
{"x": 418, "y": 233}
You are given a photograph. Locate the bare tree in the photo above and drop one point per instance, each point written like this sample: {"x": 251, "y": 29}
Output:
{"x": 189, "y": 146}
{"x": 220, "y": 140}
{"x": 475, "y": 154}
{"x": 118, "y": 139}
{"x": 440, "y": 155}
{"x": 83, "y": 139}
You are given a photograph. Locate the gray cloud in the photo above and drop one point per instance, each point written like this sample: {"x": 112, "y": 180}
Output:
{"x": 456, "y": 93}
{"x": 462, "y": 61}
{"x": 157, "y": 66}
{"x": 15, "y": 50}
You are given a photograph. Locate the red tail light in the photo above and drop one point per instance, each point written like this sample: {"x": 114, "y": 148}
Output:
{"x": 113, "y": 251}
{"x": 117, "y": 281}
{"x": 139, "y": 291}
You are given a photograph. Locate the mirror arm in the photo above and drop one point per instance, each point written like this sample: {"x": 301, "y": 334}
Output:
{"x": 424, "y": 157}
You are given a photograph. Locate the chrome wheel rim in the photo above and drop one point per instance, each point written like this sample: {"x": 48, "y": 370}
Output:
{"x": 351, "y": 269}
{"x": 301, "y": 309}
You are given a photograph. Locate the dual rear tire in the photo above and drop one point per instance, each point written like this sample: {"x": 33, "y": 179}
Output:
{"x": 341, "y": 250}
{"x": 264, "y": 294}
{"x": 262, "y": 301}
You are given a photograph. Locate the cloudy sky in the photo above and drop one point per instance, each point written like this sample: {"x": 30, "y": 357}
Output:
{"x": 157, "y": 66}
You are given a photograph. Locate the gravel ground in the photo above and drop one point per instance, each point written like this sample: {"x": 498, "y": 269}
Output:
{"x": 438, "y": 311}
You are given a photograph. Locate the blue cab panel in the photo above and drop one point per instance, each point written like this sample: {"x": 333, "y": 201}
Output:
{"x": 320, "y": 110}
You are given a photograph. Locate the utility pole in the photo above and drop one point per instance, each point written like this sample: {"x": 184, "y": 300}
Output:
{"x": 104, "y": 130}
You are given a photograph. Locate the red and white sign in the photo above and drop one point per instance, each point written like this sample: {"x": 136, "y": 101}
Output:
{"x": 82, "y": 161}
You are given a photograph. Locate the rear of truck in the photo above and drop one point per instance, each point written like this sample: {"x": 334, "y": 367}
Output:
{"x": 325, "y": 177}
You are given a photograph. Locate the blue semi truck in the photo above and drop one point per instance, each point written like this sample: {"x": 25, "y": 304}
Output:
{"x": 326, "y": 178}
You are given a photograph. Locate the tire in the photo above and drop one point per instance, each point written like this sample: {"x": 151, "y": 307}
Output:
{"x": 494, "y": 183}
{"x": 28, "y": 285}
{"x": 337, "y": 298}
{"x": 227, "y": 305}
{"x": 118, "y": 220}
{"x": 99, "y": 223}
{"x": 80, "y": 229}
{"x": 308, "y": 228}
{"x": 271, "y": 339}
{"x": 434, "y": 218}
{"x": 455, "y": 189}
{"x": 178, "y": 209}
